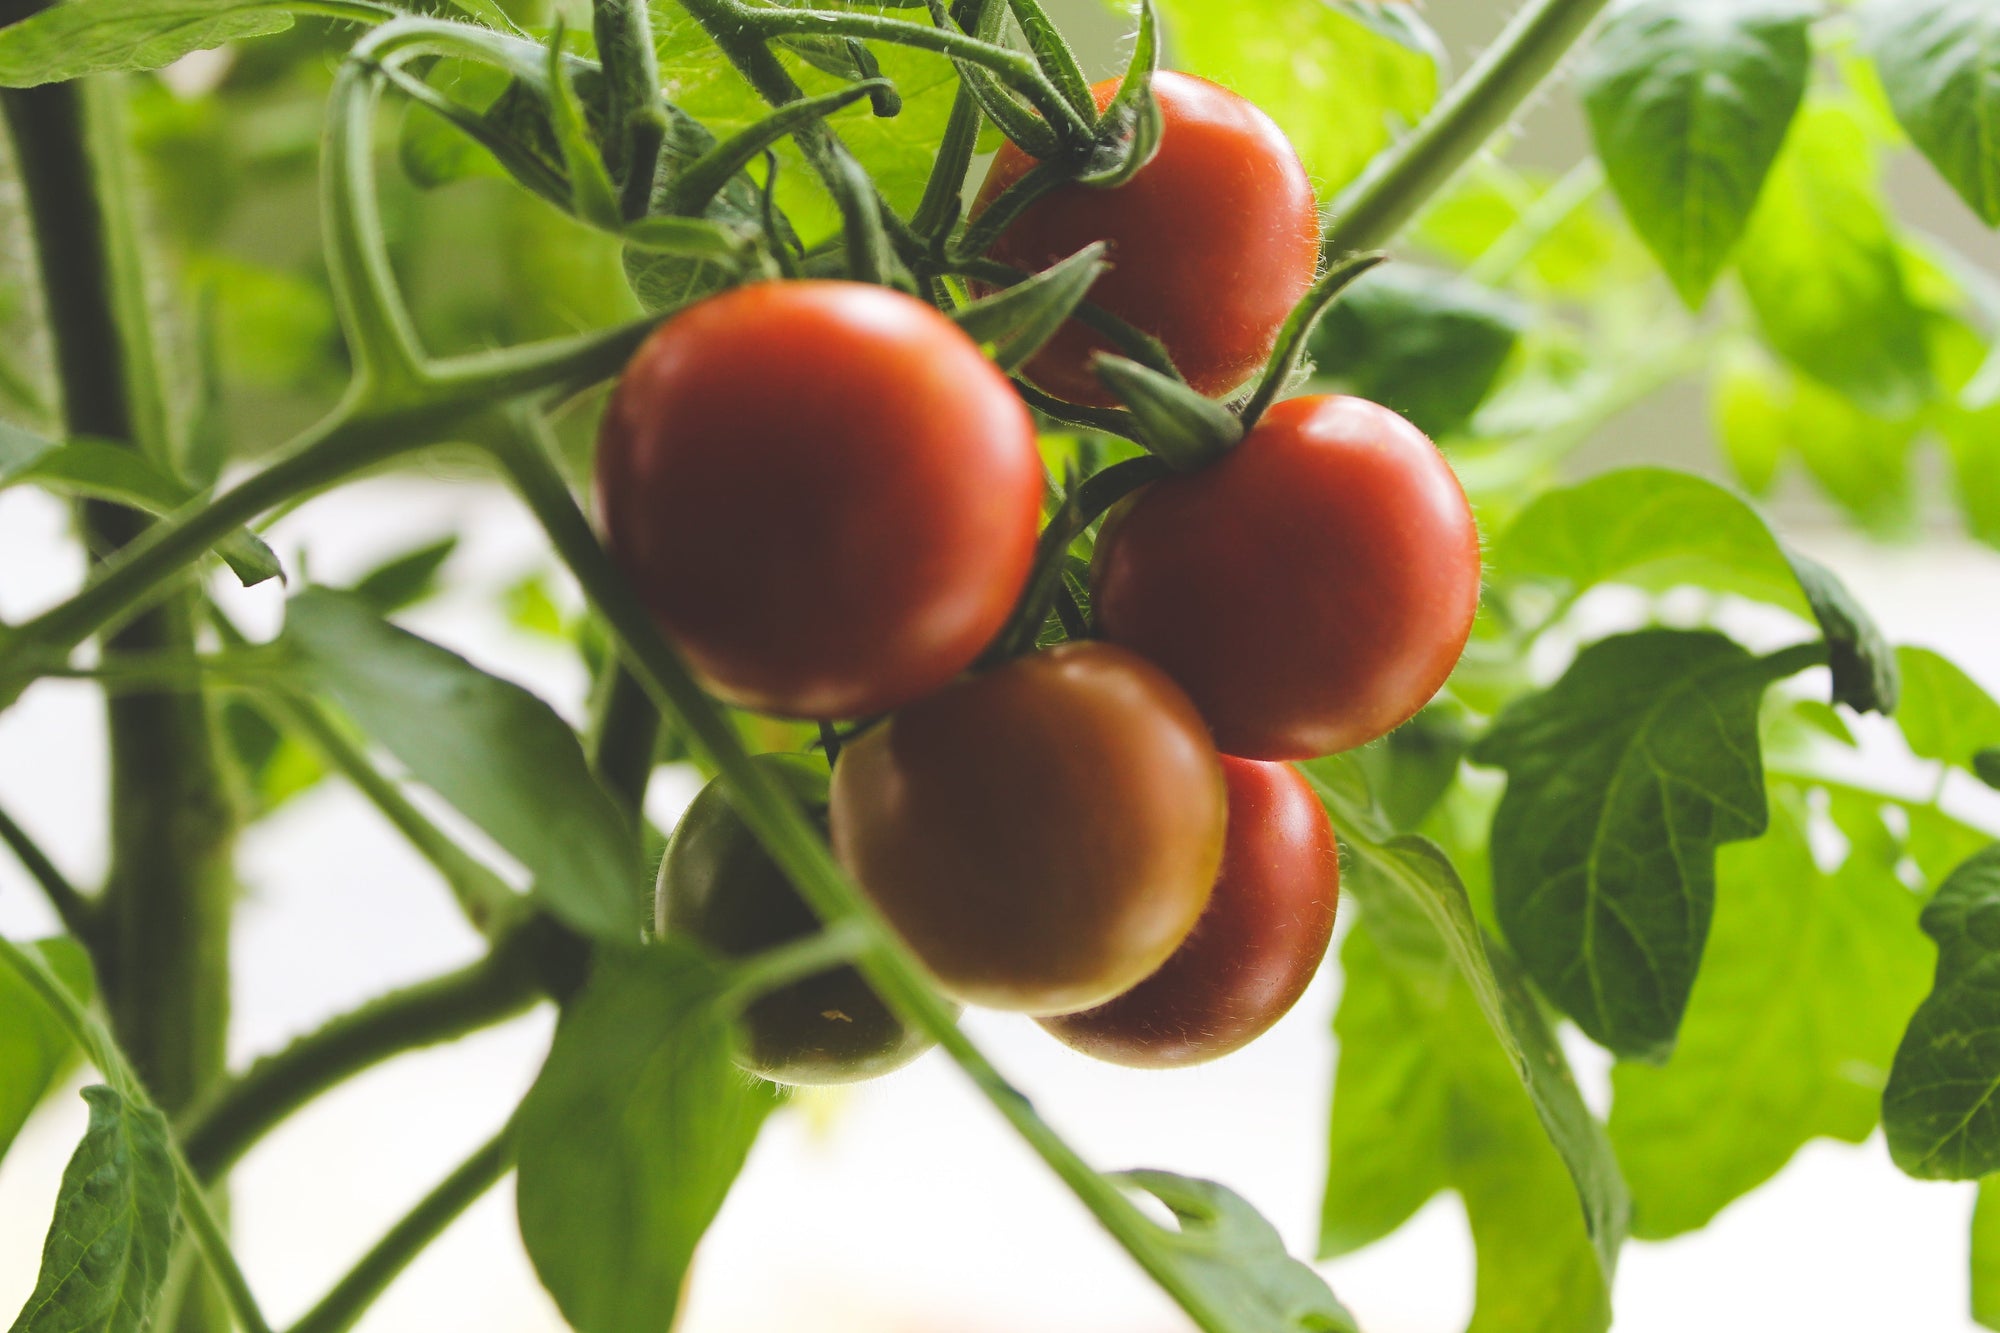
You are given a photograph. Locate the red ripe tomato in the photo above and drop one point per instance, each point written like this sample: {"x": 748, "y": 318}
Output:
{"x": 1043, "y": 835}
{"x": 1254, "y": 950}
{"x": 1310, "y": 591}
{"x": 826, "y": 494}
{"x": 1212, "y": 242}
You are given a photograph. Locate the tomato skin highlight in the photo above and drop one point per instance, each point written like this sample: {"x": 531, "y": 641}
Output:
{"x": 1256, "y": 947}
{"x": 1310, "y": 591}
{"x": 1043, "y": 835}
{"x": 1212, "y": 242}
{"x": 825, "y": 493}
{"x": 720, "y": 888}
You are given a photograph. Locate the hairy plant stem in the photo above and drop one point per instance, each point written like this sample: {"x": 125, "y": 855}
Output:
{"x": 163, "y": 951}
{"x": 1401, "y": 181}
{"x": 505, "y": 982}
{"x": 779, "y": 823}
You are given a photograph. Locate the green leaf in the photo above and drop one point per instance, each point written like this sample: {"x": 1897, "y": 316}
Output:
{"x": 1180, "y": 427}
{"x": 1423, "y": 1101}
{"x": 1945, "y": 714}
{"x": 36, "y": 1050}
{"x": 1339, "y": 87}
{"x": 83, "y": 37}
{"x": 275, "y": 766}
{"x": 1865, "y": 677}
{"x": 106, "y": 1254}
{"x": 406, "y": 579}
{"x": 1655, "y": 528}
{"x": 1986, "y": 766}
{"x": 1409, "y": 879}
{"x": 1622, "y": 779}
{"x": 1973, "y": 441}
{"x": 1427, "y": 343}
{"x": 1822, "y": 269}
{"x": 105, "y": 471}
{"x": 1017, "y": 320}
{"x": 1939, "y": 1111}
{"x": 1940, "y": 65}
{"x": 1238, "y": 1261}
{"x": 632, "y": 1136}
{"x": 1986, "y": 1255}
{"x": 494, "y": 751}
{"x": 1764, "y": 415}
{"x": 1689, "y": 101}
{"x": 1804, "y": 989}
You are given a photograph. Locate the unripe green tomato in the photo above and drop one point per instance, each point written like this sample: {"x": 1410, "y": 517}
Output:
{"x": 720, "y": 888}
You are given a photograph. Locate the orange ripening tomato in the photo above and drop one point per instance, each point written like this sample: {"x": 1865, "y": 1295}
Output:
{"x": 1043, "y": 835}
{"x": 826, "y": 494}
{"x": 1256, "y": 947}
{"x": 1310, "y": 591}
{"x": 1211, "y": 243}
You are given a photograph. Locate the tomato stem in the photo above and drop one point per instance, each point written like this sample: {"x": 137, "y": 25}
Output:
{"x": 504, "y": 983}
{"x": 1401, "y": 181}
{"x": 78, "y": 913}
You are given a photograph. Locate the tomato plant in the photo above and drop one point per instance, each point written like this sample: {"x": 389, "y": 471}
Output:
{"x": 719, "y": 887}
{"x": 1254, "y": 950}
{"x": 872, "y": 476}
{"x": 1212, "y": 242}
{"x": 1070, "y": 860}
{"x": 1015, "y": 505}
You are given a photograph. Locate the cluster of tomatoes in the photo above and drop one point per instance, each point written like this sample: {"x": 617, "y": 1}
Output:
{"x": 830, "y": 498}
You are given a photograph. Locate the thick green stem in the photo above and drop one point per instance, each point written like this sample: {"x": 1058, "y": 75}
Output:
{"x": 163, "y": 951}
{"x": 498, "y": 986}
{"x": 352, "y": 1295}
{"x": 1401, "y": 181}
{"x": 779, "y": 823}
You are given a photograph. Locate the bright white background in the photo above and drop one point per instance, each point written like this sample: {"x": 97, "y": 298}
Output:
{"x": 903, "y": 1206}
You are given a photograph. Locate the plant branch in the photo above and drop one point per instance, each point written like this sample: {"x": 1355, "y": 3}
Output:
{"x": 342, "y": 1306}
{"x": 502, "y": 984}
{"x": 1399, "y": 182}
{"x": 78, "y": 913}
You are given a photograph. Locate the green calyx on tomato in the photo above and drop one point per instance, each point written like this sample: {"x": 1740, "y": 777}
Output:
{"x": 1212, "y": 242}
{"x": 1310, "y": 591}
{"x": 1256, "y": 947}
{"x": 719, "y": 887}
{"x": 824, "y": 491}
{"x": 1043, "y": 835}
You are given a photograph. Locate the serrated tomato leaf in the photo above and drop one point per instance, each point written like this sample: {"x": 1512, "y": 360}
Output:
{"x": 1655, "y": 528}
{"x": 36, "y": 1050}
{"x": 107, "y": 1249}
{"x": 1806, "y": 983}
{"x": 1396, "y": 875}
{"x": 1941, "y": 1110}
{"x": 494, "y": 751}
{"x": 1689, "y": 101}
{"x": 631, "y": 1137}
{"x": 1238, "y": 1260}
{"x": 1940, "y": 65}
{"x": 1622, "y": 779}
